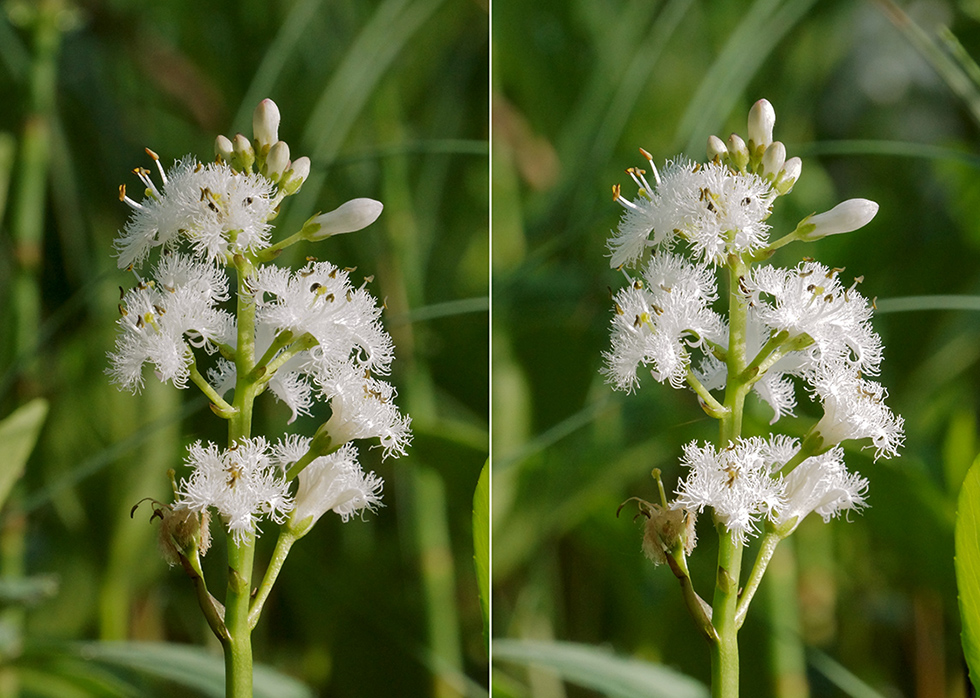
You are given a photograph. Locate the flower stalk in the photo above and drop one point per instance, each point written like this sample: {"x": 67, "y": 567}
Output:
{"x": 701, "y": 223}
{"x": 308, "y": 335}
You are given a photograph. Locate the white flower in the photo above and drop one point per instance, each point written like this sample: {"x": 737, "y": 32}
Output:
{"x": 243, "y": 483}
{"x": 854, "y": 408}
{"x": 334, "y": 482}
{"x": 215, "y": 209}
{"x": 161, "y": 319}
{"x": 810, "y": 300}
{"x": 717, "y": 211}
{"x": 821, "y": 484}
{"x": 656, "y": 322}
{"x": 320, "y": 300}
{"x": 363, "y": 408}
{"x": 735, "y": 482}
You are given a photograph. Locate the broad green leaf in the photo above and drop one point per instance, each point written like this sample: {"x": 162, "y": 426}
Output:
{"x": 18, "y": 435}
{"x": 967, "y": 562}
{"x": 188, "y": 666}
{"x": 601, "y": 670}
{"x": 481, "y": 545}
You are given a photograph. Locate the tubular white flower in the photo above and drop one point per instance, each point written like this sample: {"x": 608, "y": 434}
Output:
{"x": 243, "y": 484}
{"x": 854, "y": 408}
{"x": 845, "y": 217}
{"x": 821, "y": 484}
{"x": 715, "y": 210}
{"x": 762, "y": 119}
{"x": 735, "y": 482}
{"x": 334, "y": 482}
{"x": 346, "y": 218}
{"x": 217, "y": 210}
{"x": 659, "y": 319}
{"x": 363, "y": 407}
{"x": 319, "y": 300}
{"x": 160, "y": 320}
{"x": 810, "y": 300}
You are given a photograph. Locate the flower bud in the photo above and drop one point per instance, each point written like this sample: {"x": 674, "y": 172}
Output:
{"x": 346, "y": 218}
{"x": 774, "y": 159}
{"x": 223, "y": 148}
{"x": 716, "y": 148}
{"x": 790, "y": 173}
{"x": 277, "y": 161}
{"x": 265, "y": 123}
{"x": 762, "y": 117}
{"x": 297, "y": 173}
{"x": 738, "y": 152}
{"x": 183, "y": 533}
{"x": 244, "y": 155}
{"x": 843, "y": 218}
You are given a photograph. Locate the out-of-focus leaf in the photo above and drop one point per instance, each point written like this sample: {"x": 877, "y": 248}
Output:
{"x": 481, "y": 545}
{"x": 27, "y": 590}
{"x": 968, "y": 568}
{"x": 188, "y": 666}
{"x": 601, "y": 670}
{"x": 838, "y": 675}
{"x": 18, "y": 435}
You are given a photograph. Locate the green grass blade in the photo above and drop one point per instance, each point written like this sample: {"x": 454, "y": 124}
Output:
{"x": 18, "y": 436}
{"x": 600, "y": 670}
{"x": 967, "y": 562}
{"x": 481, "y": 545}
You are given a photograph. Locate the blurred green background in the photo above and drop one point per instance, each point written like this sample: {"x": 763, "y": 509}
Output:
{"x": 881, "y": 102}
{"x": 389, "y": 98}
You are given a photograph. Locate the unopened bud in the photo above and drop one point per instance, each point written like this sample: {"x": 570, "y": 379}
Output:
{"x": 346, "y": 218}
{"x": 223, "y": 148}
{"x": 774, "y": 159}
{"x": 296, "y": 174}
{"x": 843, "y": 218}
{"x": 716, "y": 148}
{"x": 762, "y": 117}
{"x": 244, "y": 155}
{"x": 277, "y": 161}
{"x": 265, "y": 123}
{"x": 787, "y": 178}
{"x": 738, "y": 151}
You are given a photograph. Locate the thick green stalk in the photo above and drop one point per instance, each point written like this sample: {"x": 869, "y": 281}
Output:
{"x": 238, "y": 645}
{"x": 724, "y": 652}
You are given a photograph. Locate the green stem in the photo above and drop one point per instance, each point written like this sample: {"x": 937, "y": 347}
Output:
{"x": 769, "y": 542}
{"x": 724, "y": 651}
{"x": 283, "y": 544}
{"x": 218, "y": 404}
{"x": 238, "y": 646}
{"x": 241, "y": 555}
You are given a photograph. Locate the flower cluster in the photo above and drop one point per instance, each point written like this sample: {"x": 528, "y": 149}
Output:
{"x": 801, "y": 325}
{"x": 305, "y": 335}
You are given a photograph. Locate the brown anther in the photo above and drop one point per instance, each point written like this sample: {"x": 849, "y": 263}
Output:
{"x": 316, "y": 286}
{"x": 160, "y": 311}
{"x": 619, "y": 309}
{"x": 657, "y": 309}
{"x": 122, "y": 310}
{"x": 369, "y": 279}
{"x": 638, "y": 285}
{"x": 151, "y": 154}
{"x": 616, "y": 192}
{"x": 874, "y": 305}
{"x": 829, "y": 298}
{"x": 329, "y": 298}
{"x": 645, "y": 154}
{"x": 311, "y": 259}
{"x": 666, "y": 289}
{"x": 333, "y": 273}
{"x": 122, "y": 192}
{"x": 637, "y": 321}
